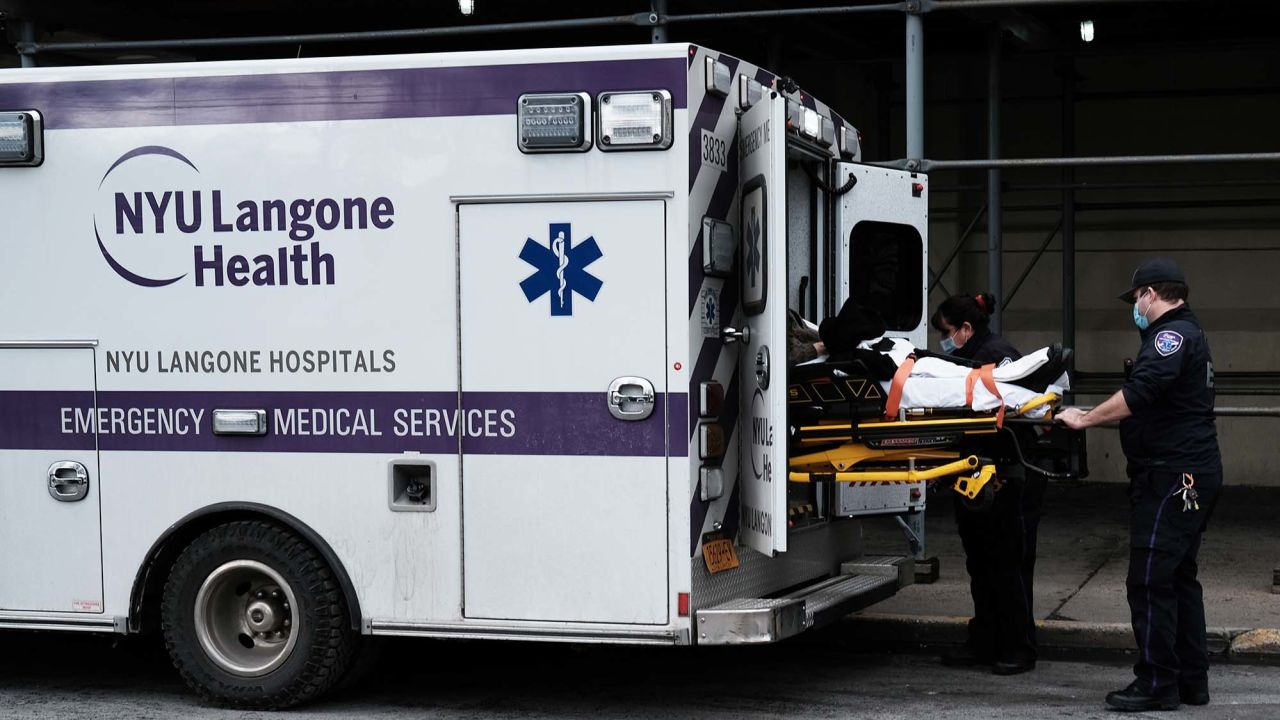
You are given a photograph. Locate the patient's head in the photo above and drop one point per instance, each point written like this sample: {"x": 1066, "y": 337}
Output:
{"x": 960, "y": 317}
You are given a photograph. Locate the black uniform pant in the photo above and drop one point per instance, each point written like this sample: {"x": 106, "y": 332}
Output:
{"x": 1165, "y": 598}
{"x": 1000, "y": 555}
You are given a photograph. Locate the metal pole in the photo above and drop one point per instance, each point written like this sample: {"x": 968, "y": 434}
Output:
{"x": 1014, "y": 163}
{"x": 791, "y": 12}
{"x": 659, "y": 8}
{"x": 643, "y": 19}
{"x": 1069, "y": 213}
{"x": 1060, "y": 186}
{"x": 27, "y": 31}
{"x": 915, "y": 86}
{"x": 995, "y": 217}
{"x": 932, "y": 5}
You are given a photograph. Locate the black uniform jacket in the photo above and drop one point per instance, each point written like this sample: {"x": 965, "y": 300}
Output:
{"x": 988, "y": 348}
{"x": 1170, "y": 393}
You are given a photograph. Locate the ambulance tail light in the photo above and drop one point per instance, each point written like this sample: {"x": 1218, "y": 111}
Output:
{"x": 749, "y": 92}
{"x": 719, "y": 79}
{"x": 21, "y": 138}
{"x": 811, "y": 126}
{"x": 849, "y": 139}
{"x": 634, "y": 120}
{"x": 553, "y": 122}
{"x": 682, "y": 604}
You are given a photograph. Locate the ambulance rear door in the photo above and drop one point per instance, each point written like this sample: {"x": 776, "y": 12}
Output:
{"x": 762, "y": 362}
{"x": 881, "y": 260}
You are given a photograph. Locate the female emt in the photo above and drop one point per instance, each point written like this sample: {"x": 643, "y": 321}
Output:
{"x": 999, "y": 544}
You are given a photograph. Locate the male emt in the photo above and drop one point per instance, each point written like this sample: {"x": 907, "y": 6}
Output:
{"x": 1165, "y": 409}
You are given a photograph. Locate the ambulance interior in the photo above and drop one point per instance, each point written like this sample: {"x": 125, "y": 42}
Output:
{"x": 867, "y": 437}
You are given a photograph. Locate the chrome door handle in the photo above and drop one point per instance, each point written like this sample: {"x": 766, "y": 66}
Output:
{"x": 729, "y": 335}
{"x": 68, "y": 481}
{"x": 631, "y": 398}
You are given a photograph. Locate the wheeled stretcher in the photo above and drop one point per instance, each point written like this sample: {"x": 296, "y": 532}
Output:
{"x": 933, "y": 420}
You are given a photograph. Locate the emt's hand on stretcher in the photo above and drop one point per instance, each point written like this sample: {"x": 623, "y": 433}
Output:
{"x": 1072, "y": 418}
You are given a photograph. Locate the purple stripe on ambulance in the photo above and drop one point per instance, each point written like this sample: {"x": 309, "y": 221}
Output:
{"x": 522, "y": 423}
{"x": 347, "y": 95}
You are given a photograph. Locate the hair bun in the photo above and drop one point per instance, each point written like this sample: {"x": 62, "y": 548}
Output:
{"x": 986, "y": 302}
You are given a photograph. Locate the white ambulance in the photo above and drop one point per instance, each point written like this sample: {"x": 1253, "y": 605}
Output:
{"x": 470, "y": 345}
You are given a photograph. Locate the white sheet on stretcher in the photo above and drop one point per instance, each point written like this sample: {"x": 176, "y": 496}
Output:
{"x": 936, "y": 383}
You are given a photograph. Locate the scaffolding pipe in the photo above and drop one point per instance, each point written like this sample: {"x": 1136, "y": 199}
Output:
{"x": 791, "y": 12}
{"x": 1085, "y": 185}
{"x": 637, "y": 20}
{"x": 995, "y": 218}
{"x": 27, "y": 31}
{"x": 1069, "y": 213}
{"x": 659, "y": 9}
{"x": 650, "y": 19}
{"x": 1015, "y": 163}
{"x": 1225, "y": 412}
{"x": 933, "y": 5}
{"x": 915, "y": 86}
{"x": 955, "y": 250}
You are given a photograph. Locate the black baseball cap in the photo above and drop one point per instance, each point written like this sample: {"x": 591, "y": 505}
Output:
{"x": 1155, "y": 270}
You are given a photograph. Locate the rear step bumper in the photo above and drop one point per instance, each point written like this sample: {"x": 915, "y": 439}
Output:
{"x": 753, "y": 621}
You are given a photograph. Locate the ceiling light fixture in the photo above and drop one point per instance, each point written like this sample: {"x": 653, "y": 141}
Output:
{"x": 1086, "y": 30}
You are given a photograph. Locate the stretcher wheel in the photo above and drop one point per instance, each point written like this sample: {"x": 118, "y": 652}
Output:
{"x": 983, "y": 501}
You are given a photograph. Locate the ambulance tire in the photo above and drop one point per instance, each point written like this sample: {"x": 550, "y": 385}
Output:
{"x": 321, "y": 644}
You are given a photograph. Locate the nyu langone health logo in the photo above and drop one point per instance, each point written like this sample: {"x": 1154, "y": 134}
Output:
{"x": 561, "y": 269}
{"x": 151, "y": 208}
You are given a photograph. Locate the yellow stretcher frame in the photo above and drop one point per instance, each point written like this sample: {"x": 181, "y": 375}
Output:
{"x": 971, "y": 474}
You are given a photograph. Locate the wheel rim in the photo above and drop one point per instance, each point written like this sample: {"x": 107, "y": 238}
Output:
{"x": 245, "y": 619}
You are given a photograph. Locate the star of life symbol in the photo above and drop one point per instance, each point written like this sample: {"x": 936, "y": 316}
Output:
{"x": 561, "y": 269}
{"x": 753, "y": 247}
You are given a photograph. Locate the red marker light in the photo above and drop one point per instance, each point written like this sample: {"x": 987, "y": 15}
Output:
{"x": 917, "y": 189}
{"x": 682, "y": 604}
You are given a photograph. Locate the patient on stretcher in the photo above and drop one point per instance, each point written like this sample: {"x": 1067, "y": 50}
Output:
{"x": 855, "y": 379}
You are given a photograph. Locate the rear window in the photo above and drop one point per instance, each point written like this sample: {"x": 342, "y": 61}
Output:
{"x": 886, "y": 272}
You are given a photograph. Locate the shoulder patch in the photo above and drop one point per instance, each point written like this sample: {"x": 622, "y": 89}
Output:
{"x": 1168, "y": 342}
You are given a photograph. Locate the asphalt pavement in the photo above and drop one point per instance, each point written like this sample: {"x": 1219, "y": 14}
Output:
{"x": 60, "y": 676}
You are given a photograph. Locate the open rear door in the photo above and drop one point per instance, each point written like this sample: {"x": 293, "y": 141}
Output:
{"x": 881, "y": 241}
{"x": 763, "y": 362}
{"x": 881, "y": 260}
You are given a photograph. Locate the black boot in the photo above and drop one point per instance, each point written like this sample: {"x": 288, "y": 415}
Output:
{"x": 1135, "y": 699}
{"x": 1013, "y": 666}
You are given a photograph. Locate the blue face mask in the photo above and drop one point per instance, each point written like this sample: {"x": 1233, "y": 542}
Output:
{"x": 1140, "y": 318}
{"x": 948, "y": 345}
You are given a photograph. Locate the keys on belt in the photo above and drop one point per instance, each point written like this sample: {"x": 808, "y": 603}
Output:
{"x": 1188, "y": 492}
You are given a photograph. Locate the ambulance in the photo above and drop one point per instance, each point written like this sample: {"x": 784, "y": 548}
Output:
{"x": 469, "y": 345}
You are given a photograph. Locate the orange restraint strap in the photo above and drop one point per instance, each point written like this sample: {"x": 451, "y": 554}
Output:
{"x": 895, "y": 388}
{"x": 988, "y": 381}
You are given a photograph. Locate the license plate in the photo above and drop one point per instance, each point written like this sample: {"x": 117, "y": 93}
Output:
{"x": 719, "y": 555}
